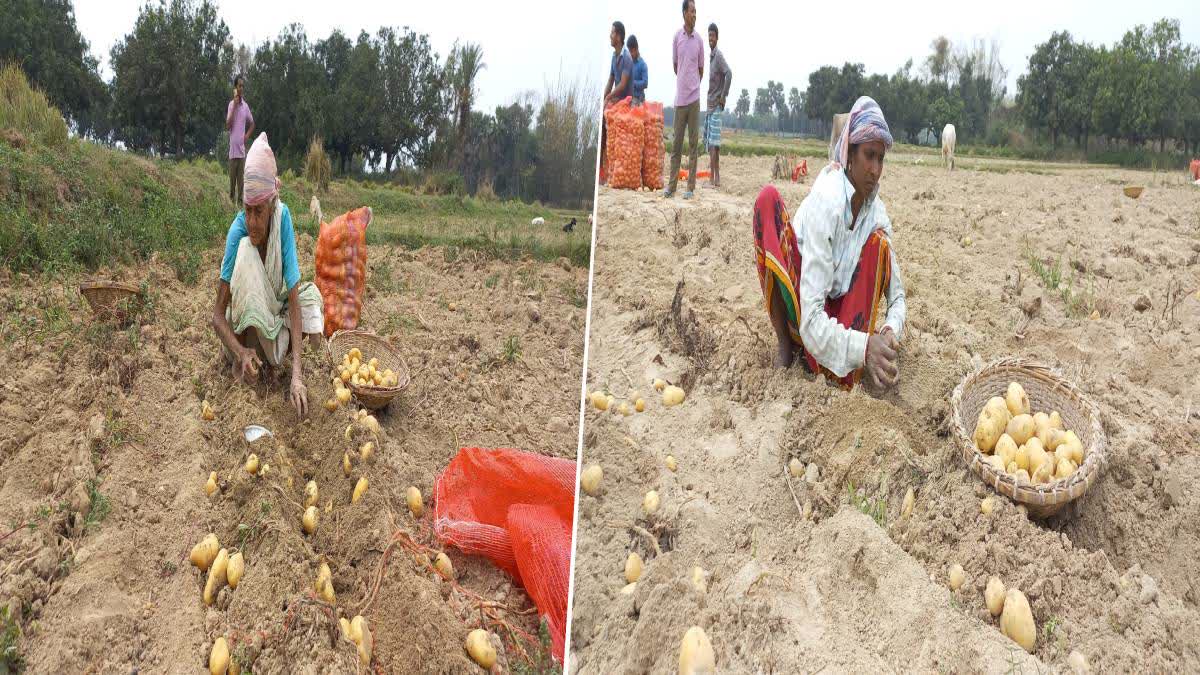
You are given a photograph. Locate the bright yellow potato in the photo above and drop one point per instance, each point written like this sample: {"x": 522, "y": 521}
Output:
{"x": 1016, "y": 620}
{"x": 252, "y": 463}
{"x": 639, "y": 405}
{"x": 205, "y": 552}
{"x": 360, "y": 489}
{"x": 1021, "y": 428}
{"x": 659, "y": 385}
{"x": 590, "y": 479}
{"x": 671, "y": 464}
{"x": 309, "y": 521}
{"x": 216, "y": 577}
{"x": 988, "y": 430}
{"x": 365, "y": 641}
{"x": 633, "y": 567}
{"x": 1016, "y": 400}
{"x": 650, "y": 502}
{"x": 415, "y": 504}
{"x": 373, "y": 363}
{"x": 1036, "y": 456}
{"x": 1006, "y": 448}
{"x": 355, "y": 353}
{"x": 696, "y": 653}
{"x": 956, "y": 577}
{"x": 211, "y": 486}
{"x": 218, "y": 658}
{"x": 311, "y": 494}
{"x": 1022, "y": 458}
{"x": 993, "y": 595}
{"x": 998, "y": 408}
{"x": 1040, "y": 421}
{"x": 906, "y": 506}
{"x": 986, "y": 505}
{"x": 331, "y": 404}
{"x": 1074, "y": 447}
{"x": 1056, "y": 420}
{"x": 1064, "y": 469}
{"x": 443, "y": 565}
{"x": 673, "y": 395}
{"x": 479, "y": 647}
{"x": 346, "y": 464}
{"x": 1050, "y": 437}
{"x": 599, "y": 400}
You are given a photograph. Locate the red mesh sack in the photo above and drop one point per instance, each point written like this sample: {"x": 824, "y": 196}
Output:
{"x": 625, "y": 138}
{"x": 1195, "y": 169}
{"x": 652, "y": 149}
{"x": 341, "y": 262}
{"x": 516, "y": 508}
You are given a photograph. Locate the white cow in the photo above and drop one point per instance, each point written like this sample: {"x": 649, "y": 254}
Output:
{"x": 539, "y": 221}
{"x": 948, "y": 146}
{"x": 314, "y": 207}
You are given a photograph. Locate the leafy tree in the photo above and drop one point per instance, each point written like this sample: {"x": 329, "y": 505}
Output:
{"x": 463, "y": 66}
{"x": 412, "y": 101}
{"x": 743, "y": 104}
{"x": 763, "y": 102}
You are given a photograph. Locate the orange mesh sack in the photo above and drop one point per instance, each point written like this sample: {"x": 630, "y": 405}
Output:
{"x": 625, "y": 134}
{"x": 652, "y": 149}
{"x": 516, "y": 508}
{"x": 341, "y": 261}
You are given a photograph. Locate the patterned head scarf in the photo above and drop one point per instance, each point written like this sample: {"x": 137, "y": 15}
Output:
{"x": 261, "y": 183}
{"x": 866, "y": 123}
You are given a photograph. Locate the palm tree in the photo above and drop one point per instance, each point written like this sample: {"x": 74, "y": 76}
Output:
{"x": 463, "y": 66}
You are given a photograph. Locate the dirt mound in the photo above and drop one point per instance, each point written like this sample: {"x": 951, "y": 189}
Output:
{"x": 109, "y": 463}
{"x": 1111, "y": 577}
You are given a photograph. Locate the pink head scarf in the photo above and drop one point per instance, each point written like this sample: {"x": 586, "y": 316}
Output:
{"x": 261, "y": 182}
{"x": 866, "y": 123}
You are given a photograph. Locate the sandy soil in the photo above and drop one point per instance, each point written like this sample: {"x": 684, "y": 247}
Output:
{"x": 675, "y": 295}
{"x": 119, "y": 595}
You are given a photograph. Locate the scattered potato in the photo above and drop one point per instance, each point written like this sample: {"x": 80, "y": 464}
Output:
{"x": 343, "y": 395}
{"x": 205, "y": 552}
{"x": 309, "y": 521}
{"x": 235, "y": 569}
{"x": 671, "y": 464}
{"x": 993, "y": 595}
{"x": 252, "y": 463}
{"x": 360, "y": 489}
{"x": 795, "y": 467}
{"x": 371, "y": 424}
{"x": 361, "y": 632}
{"x": 696, "y": 653}
{"x": 324, "y": 584}
{"x": 211, "y": 486}
{"x": 311, "y": 494}
{"x": 346, "y": 464}
{"x": 600, "y": 400}
{"x": 218, "y": 658}
{"x": 216, "y": 577}
{"x": 479, "y": 647}
{"x": 986, "y": 505}
{"x": 624, "y": 409}
{"x": 206, "y": 412}
{"x": 699, "y": 580}
{"x": 957, "y": 577}
{"x": 673, "y": 395}
{"x": 415, "y": 504}
{"x": 633, "y": 567}
{"x": 1021, "y": 428}
{"x": 366, "y": 450}
{"x": 906, "y": 506}
{"x": 650, "y": 502}
{"x": 443, "y": 565}
{"x": 344, "y": 624}
{"x": 639, "y": 405}
{"x": 659, "y": 385}
{"x": 331, "y": 404}
{"x": 1016, "y": 620}
{"x": 590, "y": 479}
{"x": 1016, "y": 400}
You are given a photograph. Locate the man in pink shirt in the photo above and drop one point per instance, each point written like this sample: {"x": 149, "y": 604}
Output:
{"x": 240, "y": 124}
{"x": 688, "y": 52}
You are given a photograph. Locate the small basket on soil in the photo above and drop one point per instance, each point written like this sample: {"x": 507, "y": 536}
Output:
{"x": 1134, "y": 191}
{"x": 1047, "y": 390}
{"x": 371, "y": 346}
{"x": 111, "y": 299}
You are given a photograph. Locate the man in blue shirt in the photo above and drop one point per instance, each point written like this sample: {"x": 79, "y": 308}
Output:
{"x": 641, "y": 74}
{"x": 621, "y": 69}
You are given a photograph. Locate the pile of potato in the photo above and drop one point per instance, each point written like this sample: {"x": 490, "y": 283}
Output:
{"x": 1033, "y": 448}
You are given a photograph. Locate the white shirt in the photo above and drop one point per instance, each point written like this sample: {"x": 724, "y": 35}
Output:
{"x": 829, "y": 251}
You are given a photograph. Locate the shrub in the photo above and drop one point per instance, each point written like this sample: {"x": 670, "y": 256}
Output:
{"x": 316, "y": 165}
{"x": 26, "y": 110}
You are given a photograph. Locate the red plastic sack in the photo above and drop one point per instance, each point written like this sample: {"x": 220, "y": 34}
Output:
{"x": 625, "y": 140}
{"x": 652, "y": 152}
{"x": 1195, "y": 169}
{"x": 516, "y": 508}
{"x": 341, "y": 262}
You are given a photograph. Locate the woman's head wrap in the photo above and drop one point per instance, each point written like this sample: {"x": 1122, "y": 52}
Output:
{"x": 866, "y": 123}
{"x": 261, "y": 182}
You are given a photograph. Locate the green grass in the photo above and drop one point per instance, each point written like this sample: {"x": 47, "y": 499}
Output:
{"x": 875, "y": 507}
{"x": 1061, "y": 282}
{"x": 541, "y": 661}
{"x": 101, "y": 506}
{"x": 10, "y": 634}
{"x": 512, "y": 349}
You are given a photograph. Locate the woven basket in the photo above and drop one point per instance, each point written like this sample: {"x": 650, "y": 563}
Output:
{"x": 1134, "y": 191}
{"x": 371, "y": 346}
{"x": 1047, "y": 391}
{"x": 109, "y": 299}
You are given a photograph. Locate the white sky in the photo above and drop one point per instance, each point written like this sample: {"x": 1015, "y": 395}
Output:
{"x": 785, "y": 41}
{"x": 526, "y": 45}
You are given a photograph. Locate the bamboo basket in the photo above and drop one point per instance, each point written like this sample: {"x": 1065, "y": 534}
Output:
{"x": 110, "y": 299}
{"x": 371, "y": 346}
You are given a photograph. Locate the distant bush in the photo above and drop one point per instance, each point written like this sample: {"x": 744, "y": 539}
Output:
{"x": 316, "y": 165}
{"x": 26, "y": 110}
{"x": 444, "y": 183}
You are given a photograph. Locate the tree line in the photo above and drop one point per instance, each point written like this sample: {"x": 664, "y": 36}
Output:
{"x": 386, "y": 100}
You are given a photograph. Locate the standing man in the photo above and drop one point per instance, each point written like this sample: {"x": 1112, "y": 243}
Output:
{"x": 240, "y": 124}
{"x": 688, "y": 58}
{"x": 720, "y": 78}
{"x": 620, "y": 73}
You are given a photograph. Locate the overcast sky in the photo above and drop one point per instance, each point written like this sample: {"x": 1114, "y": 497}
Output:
{"x": 526, "y": 44}
{"x": 785, "y": 41}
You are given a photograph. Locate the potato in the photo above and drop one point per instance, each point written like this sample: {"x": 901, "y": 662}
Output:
{"x": 1022, "y": 458}
{"x": 650, "y": 502}
{"x": 324, "y": 584}
{"x": 235, "y": 569}
{"x": 206, "y": 412}
{"x": 639, "y": 405}
{"x": 1020, "y": 428}
{"x": 1016, "y": 620}
{"x": 988, "y": 430}
{"x": 343, "y": 395}
{"x": 205, "y": 552}
{"x": 355, "y": 354}
{"x": 998, "y": 408}
{"x": 906, "y": 507}
{"x": 415, "y": 504}
{"x": 1050, "y": 437}
{"x": 1056, "y": 421}
{"x": 671, "y": 464}
{"x": 659, "y": 385}
{"x": 346, "y": 464}
{"x": 1037, "y": 455}
{"x": 993, "y": 595}
{"x": 443, "y": 565}
{"x": 1043, "y": 474}
{"x": 373, "y": 363}
{"x": 360, "y": 488}
{"x": 696, "y": 653}
{"x": 365, "y": 641}
{"x": 309, "y": 521}
{"x": 1074, "y": 447}
{"x": 216, "y": 577}
{"x": 311, "y": 495}
{"x": 331, "y": 404}
{"x": 624, "y": 409}
{"x": 218, "y": 658}
{"x": 479, "y": 647}
{"x": 986, "y": 505}
{"x": 608, "y": 402}
{"x": 371, "y": 424}
{"x": 633, "y": 567}
{"x": 1012, "y": 467}
{"x": 252, "y": 463}
{"x": 344, "y": 624}
{"x": 590, "y": 479}
{"x": 366, "y": 450}
{"x": 673, "y": 395}
{"x": 1040, "y": 421}
{"x": 1016, "y": 400}
{"x": 956, "y": 576}
{"x": 1064, "y": 469}
{"x": 1006, "y": 448}
{"x": 997, "y": 463}
{"x": 211, "y": 486}
{"x": 344, "y": 376}
{"x": 599, "y": 400}
{"x": 699, "y": 580}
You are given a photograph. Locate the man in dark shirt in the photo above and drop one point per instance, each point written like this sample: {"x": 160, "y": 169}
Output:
{"x": 720, "y": 78}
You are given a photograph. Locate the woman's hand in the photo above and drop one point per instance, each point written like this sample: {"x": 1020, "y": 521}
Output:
{"x": 882, "y": 359}
{"x": 248, "y": 364}
{"x": 299, "y": 395}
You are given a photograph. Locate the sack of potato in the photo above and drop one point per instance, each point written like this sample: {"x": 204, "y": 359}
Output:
{"x": 652, "y": 147}
{"x": 626, "y": 132}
